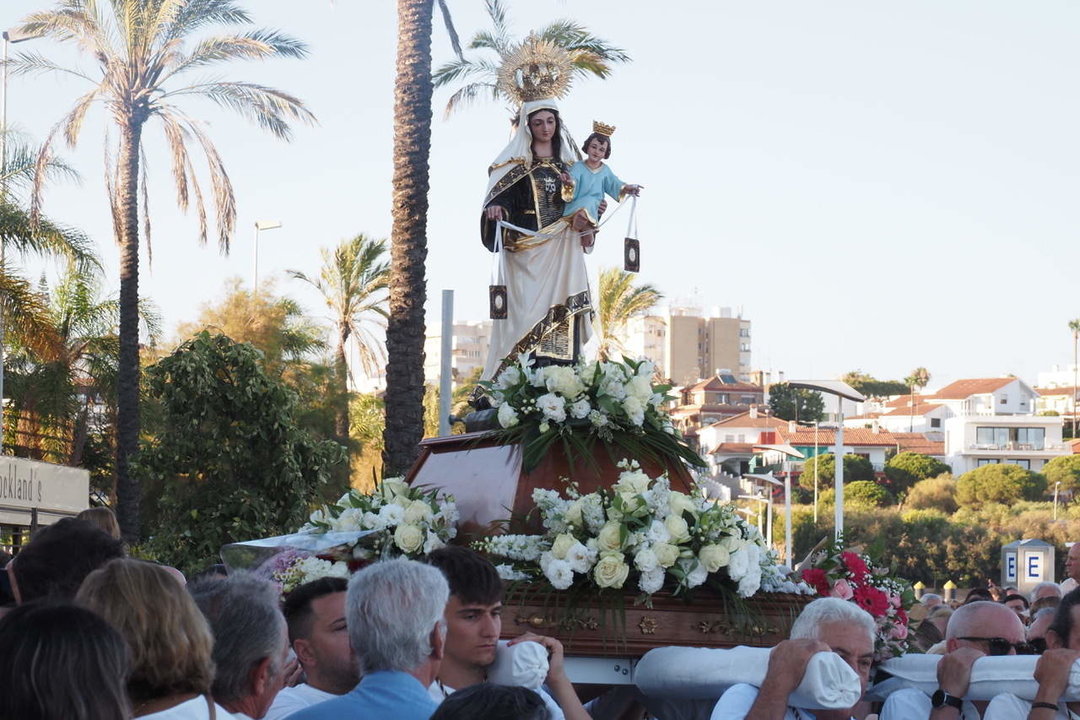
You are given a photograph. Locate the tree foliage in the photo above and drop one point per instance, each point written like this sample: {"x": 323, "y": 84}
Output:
{"x": 907, "y": 468}
{"x": 620, "y": 300}
{"x": 856, "y": 468}
{"x": 999, "y": 483}
{"x": 935, "y": 493}
{"x": 1064, "y": 469}
{"x": 801, "y": 405}
{"x": 233, "y": 465}
{"x": 870, "y": 386}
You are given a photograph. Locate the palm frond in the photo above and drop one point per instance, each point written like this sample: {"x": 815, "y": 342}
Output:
{"x": 26, "y": 315}
{"x": 254, "y": 45}
{"x": 448, "y": 22}
{"x": 270, "y": 109}
{"x": 31, "y": 63}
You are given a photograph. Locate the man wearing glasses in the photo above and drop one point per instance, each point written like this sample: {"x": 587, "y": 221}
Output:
{"x": 974, "y": 631}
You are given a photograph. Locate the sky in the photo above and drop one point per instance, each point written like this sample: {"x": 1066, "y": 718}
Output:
{"x": 875, "y": 185}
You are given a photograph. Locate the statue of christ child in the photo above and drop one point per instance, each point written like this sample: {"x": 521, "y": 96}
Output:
{"x": 591, "y": 179}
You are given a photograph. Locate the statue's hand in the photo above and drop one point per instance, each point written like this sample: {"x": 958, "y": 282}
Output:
{"x": 495, "y": 212}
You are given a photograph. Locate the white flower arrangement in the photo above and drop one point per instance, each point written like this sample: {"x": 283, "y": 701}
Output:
{"x": 402, "y": 520}
{"x": 639, "y": 532}
{"x": 613, "y": 402}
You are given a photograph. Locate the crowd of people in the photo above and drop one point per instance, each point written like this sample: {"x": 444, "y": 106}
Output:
{"x": 87, "y": 633}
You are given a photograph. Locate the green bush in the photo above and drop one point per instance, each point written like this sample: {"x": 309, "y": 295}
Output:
{"x": 1064, "y": 469}
{"x": 866, "y": 494}
{"x": 1000, "y": 483}
{"x": 907, "y": 468}
{"x": 937, "y": 493}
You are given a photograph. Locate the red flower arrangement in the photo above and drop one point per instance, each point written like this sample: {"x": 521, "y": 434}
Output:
{"x": 850, "y": 575}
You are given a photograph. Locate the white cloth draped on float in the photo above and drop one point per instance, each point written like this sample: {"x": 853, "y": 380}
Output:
{"x": 990, "y": 676}
{"x": 693, "y": 673}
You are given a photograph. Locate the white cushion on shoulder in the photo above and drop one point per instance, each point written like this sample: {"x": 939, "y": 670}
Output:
{"x": 522, "y": 665}
{"x": 990, "y": 676}
{"x": 686, "y": 672}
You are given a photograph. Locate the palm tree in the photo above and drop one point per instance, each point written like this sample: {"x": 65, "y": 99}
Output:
{"x": 919, "y": 378}
{"x": 620, "y": 299}
{"x": 353, "y": 281}
{"x": 589, "y": 54}
{"x": 1074, "y": 326}
{"x": 139, "y": 51}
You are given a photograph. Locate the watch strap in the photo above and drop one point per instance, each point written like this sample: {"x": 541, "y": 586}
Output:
{"x": 943, "y": 699}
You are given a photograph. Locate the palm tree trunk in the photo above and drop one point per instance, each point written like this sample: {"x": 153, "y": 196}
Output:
{"x": 341, "y": 369}
{"x": 408, "y": 291}
{"x": 127, "y": 381}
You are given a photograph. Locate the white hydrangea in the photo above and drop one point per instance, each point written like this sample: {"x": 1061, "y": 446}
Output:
{"x": 657, "y": 532}
{"x": 392, "y": 514}
{"x": 613, "y": 387}
{"x": 581, "y": 558}
{"x": 592, "y": 512}
{"x": 651, "y": 581}
{"x": 750, "y": 582}
{"x": 640, "y": 388}
{"x": 645, "y": 560}
{"x": 526, "y": 548}
{"x": 580, "y": 409}
{"x": 559, "y": 574}
{"x": 696, "y": 573}
{"x": 349, "y": 519}
{"x": 372, "y": 521}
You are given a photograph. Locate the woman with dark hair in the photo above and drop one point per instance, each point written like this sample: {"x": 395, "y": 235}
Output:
{"x": 492, "y": 702}
{"x": 170, "y": 640}
{"x": 61, "y": 662}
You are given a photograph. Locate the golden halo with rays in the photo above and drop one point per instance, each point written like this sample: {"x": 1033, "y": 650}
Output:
{"x": 536, "y": 70}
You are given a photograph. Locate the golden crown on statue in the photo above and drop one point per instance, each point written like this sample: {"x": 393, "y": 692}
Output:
{"x": 601, "y": 128}
{"x": 536, "y": 70}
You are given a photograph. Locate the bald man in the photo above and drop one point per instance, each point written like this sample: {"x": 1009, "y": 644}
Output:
{"x": 974, "y": 631}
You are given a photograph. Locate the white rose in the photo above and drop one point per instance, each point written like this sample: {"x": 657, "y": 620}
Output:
{"x": 635, "y": 410}
{"x": 508, "y": 416}
{"x": 666, "y": 554}
{"x": 640, "y": 388}
{"x": 349, "y": 519}
{"x": 580, "y": 409}
{"x": 680, "y": 531}
{"x": 563, "y": 380}
{"x": 417, "y": 512}
{"x": 645, "y": 560}
{"x": 651, "y": 581}
{"x": 681, "y": 502}
{"x": 552, "y": 406}
{"x": 573, "y": 514}
{"x": 408, "y": 538}
{"x": 508, "y": 378}
{"x": 610, "y": 537}
{"x": 559, "y": 574}
{"x": 632, "y": 481}
{"x": 562, "y": 543}
{"x": 610, "y": 571}
{"x": 714, "y": 557}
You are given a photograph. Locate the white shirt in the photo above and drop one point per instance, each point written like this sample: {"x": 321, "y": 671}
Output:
{"x": 194, "y": 709}
{"x": 912, "y": 703}
{"x": 440, "y": 692}
{"x": 1007, "y": 706}
{"x": 737, "y": 700}
{"x": 293, "y": 699}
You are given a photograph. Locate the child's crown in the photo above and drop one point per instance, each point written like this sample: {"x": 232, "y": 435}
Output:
{"x": 606, "y": 130}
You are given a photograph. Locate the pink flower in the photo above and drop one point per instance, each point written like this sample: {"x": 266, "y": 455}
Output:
{"x": 842, "y": 589}
{"x": 895, "y": 600}
{"x": 899, "y": 631}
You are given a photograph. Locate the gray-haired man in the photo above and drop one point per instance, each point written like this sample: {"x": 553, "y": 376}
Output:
{"x": 394, "y": 612}
{"x": 251, "y": 643}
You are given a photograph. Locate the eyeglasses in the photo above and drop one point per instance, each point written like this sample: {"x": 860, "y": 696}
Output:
{"x": 1038, "y": 645}
{"x": 1001, "y": 646}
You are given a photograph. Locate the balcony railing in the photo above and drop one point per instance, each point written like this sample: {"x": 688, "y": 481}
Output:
{"x": 1017, "y": 447}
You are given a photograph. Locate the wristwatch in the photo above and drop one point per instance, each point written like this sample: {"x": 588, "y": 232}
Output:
{"x": 941, "y": 699}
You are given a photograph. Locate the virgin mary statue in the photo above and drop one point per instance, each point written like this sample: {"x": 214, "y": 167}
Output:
{"x": 541, "y": 259}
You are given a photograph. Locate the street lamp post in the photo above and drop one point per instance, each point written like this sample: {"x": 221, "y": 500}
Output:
{"x": 11, "y": 37}
{"x": 760, "y": 499}
{"x": 261, "y": 225}
{"x": 817, "y": 423}
{"x": 1057, "y": 484}
{"x": 841, "y": 390}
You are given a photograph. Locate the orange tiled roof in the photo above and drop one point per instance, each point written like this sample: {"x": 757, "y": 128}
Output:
{"x": 716, "y": 384}
{"x": 962, "y": 389}
{"x": 852, "y": 436}
{"x": 744, "y": 420}
{"x": 1051, "y": 391}
{"x": 919, "y": 443}
{"x": 733, "y": 448}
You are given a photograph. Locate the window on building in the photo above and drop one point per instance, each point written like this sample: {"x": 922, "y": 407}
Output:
{"x": 1026, "y": 464}
{"x": 987, "y": 461}
{"x": 935, "y": 422}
